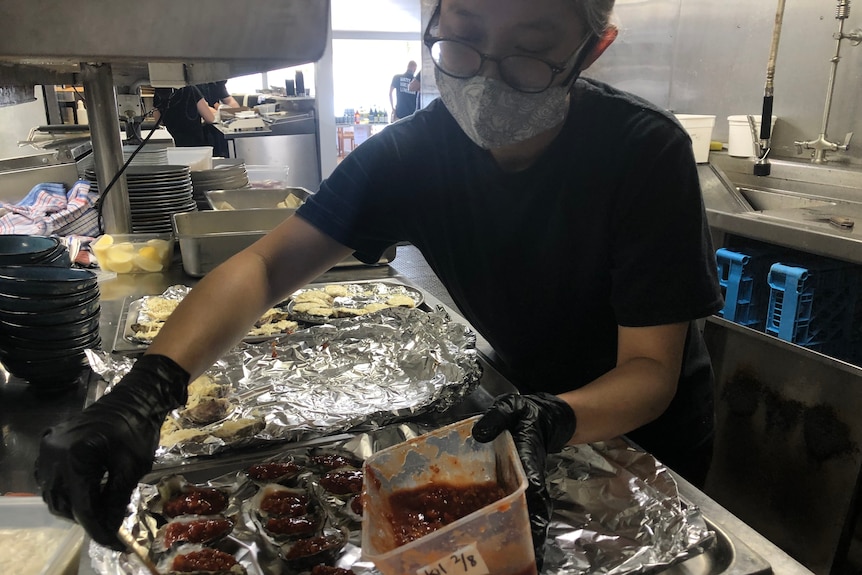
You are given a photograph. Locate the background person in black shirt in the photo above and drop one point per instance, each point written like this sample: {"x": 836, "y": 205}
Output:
{"x": 404, "y": 102}
{"x": 189, "y": 114}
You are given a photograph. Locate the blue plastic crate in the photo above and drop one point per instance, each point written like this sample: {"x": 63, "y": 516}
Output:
{"x": 813, "y": 305}
{"x": 742, "y": 276}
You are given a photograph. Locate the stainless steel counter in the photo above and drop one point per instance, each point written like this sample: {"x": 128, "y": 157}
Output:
{"x": 739, "y": 549}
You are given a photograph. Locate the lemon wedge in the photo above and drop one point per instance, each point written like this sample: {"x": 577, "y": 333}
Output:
{"x": 119, "y": 258}
{"x": 147, "y": 264}
{"x": 100, "y": 247}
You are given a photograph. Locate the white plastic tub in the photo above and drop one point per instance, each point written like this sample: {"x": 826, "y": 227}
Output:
{"x": 699, "y": 128}
{"x": 24, "y": 522}
{"x": 739, "y": 140}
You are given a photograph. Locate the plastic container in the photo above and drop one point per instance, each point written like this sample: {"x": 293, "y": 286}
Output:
{"x": 260, "y": 176}
{"x": 699, "y": 128}
{"x": 739, "y": 140}
{"x": 197, "y": 158}
{"x": 742, "y": 275}
{"x": 813, "y": 303}
{"x": 495, "y": 539}
{"x": 22, "y": 520}
{"x": 134, "y": 253}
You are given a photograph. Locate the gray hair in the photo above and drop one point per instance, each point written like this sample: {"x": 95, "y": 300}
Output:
{"x": 596, "y": 13}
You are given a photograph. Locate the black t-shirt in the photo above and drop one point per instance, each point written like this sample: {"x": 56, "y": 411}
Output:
{"x": 406, "y": 100}
{"x": 180, "y": 114}
{"x": 182, "y": 119}
{"x": 606, "y": 228}
{"x": 214, "y": 92}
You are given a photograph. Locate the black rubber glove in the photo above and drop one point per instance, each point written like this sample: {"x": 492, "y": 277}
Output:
{"x": 539, "y": 424}
{"x": 117, "y": 435}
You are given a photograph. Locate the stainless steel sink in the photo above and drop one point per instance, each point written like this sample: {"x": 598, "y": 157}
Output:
{"x": 762, "y": 200}
{"x": 727, "y": 556}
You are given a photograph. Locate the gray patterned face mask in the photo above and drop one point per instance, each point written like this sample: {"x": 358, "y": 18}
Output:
{"x": 493, "y": 114}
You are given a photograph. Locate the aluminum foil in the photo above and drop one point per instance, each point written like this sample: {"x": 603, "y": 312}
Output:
{"x": 363, "y": 373}
{"x": 617, "y": 511}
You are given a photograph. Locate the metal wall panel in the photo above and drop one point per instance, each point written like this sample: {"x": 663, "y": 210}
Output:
{"x": 716, "y": 64}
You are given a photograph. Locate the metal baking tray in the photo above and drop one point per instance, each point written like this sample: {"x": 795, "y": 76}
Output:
{"x": 208, "y": 238}
{"x": 126, "y": 342}
{"x": 253, "y": 198}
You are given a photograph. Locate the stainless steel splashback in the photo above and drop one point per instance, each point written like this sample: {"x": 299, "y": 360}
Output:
{"x": 703, "y": 56}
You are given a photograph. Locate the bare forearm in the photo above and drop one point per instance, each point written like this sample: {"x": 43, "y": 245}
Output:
{"x": 215, "y": 315}
{"x": 220, "y": 309}
{"x": 628, "y": 396}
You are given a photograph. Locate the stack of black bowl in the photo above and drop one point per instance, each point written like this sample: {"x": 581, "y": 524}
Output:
{"x": 48, "y": 317}
{"x": 19, "y": 249}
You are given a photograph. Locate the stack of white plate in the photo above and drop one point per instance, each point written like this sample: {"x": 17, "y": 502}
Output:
{"x": 225, "y": 175}
{"x": 149, "y": 155}
{"x": 155, "y": 194}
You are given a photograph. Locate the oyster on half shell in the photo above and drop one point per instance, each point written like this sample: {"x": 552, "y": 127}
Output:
{"x": 200, "y": 560}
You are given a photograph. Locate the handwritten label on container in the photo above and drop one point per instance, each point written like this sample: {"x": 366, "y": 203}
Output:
{"x": 464, "y": 561}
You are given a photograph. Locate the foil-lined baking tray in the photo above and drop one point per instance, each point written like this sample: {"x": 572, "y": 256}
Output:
{"x": 135, "y": 311}
{"x": 617, "y": 512}
{"x": 366, "y": 371}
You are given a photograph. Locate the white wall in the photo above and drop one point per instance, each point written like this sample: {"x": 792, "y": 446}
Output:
{"x": 17, "y": 121}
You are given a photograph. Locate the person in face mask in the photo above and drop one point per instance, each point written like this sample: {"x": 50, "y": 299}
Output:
{"x": 564, "y": 217}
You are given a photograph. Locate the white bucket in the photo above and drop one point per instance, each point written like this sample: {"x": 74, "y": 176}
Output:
{"x": 739, "y": 141}
{"x": 699, "y": 128}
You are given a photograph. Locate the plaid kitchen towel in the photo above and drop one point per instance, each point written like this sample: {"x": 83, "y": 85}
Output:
{"x": 48, "y": 208}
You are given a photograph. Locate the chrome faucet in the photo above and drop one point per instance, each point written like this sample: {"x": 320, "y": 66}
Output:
{"x": 821, "y": 145}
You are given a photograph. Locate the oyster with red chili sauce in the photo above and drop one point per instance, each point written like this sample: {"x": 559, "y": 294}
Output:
{"x": 303, "y": 554}
{"x": 325, "y": 460}
{"x": 285, "y": 513}
{"x": 206, "y": 530}
{"x": 198, "y": 560}
{"x": 280, "y": 501}
{"x": 344, "y": 481}
{"x": 179, "y": 497}
{"x": 274, "y": 472}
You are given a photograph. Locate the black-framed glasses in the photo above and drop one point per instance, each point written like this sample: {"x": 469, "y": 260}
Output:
{"x": 527, "y": 74}
{"x": 523, "y": 73}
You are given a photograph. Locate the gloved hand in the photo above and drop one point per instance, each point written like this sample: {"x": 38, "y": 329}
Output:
{"x": 540, "y": 424}
{"x": 117, "y": 435}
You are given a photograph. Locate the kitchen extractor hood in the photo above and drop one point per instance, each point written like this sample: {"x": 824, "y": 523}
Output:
{"x": 44, "y": 41}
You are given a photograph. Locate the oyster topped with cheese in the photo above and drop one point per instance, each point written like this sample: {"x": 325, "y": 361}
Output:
{"x": 153, "y": 311}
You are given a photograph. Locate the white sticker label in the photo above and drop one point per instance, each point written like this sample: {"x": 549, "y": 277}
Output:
{"x": 464, "y": 561}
